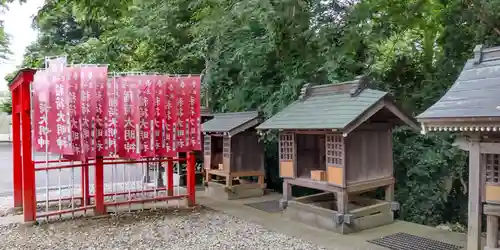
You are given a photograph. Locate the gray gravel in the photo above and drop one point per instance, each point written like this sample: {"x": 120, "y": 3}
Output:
{"x": 150, "y": 230}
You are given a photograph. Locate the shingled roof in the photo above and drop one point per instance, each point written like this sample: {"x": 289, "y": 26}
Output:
{"x": 340, "y": 107}
{"x": 473, "y": 100}
{"x": 231, "y": 123}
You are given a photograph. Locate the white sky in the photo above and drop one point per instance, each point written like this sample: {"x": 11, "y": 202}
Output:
{"x": 18, "y": 21}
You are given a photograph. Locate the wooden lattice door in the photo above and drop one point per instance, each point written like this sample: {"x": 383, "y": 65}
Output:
{"x": 490, "y": 164}
{"x": 226, "y": 154}
{"x": 335, "y": 159}
{"x": 207, "y": 151}
{"x": 287, "y": 154}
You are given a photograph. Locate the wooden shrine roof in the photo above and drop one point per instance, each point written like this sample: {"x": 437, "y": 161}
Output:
{"x": 473, "y": 101}
{"x": 342, "y": 106}
{"x": 231, "y": 123}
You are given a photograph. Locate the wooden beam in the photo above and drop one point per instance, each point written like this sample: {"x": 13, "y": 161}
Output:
{"x": 375, "y": 126}
{"x": 490, "y": 209}
{"x": 401, "y": 115}
{"x": 250, "y": 124}
{"x": 484, "y": 147}
{"x": 319, "y": 185}
{"x": 474, "y": 208}
{"x": 364, "y": 117}
{"x": 364, "y": 186}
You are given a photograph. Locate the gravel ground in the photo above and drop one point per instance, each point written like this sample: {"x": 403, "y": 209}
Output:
{"x": 150, "y": 230}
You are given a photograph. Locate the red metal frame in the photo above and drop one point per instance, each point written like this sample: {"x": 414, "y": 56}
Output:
{"x": 24, "y": 172}
{"x": 24, "y": 166}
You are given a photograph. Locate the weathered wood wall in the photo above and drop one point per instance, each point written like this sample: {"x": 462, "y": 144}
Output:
{"x": 247, "y": 153}
{"x": 368, "y": 155}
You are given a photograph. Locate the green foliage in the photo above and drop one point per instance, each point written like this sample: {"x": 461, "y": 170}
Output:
{"x": 257, "y": 54}
{"x": 6, "y": 106}
{"x": 429, "y": 160}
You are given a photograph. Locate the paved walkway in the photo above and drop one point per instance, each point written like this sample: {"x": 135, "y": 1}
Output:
{"x": 276, "y": 222}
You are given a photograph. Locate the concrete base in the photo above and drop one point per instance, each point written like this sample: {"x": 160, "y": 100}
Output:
{"x": 320, "y": 214}
{"x": 241, "y": 191}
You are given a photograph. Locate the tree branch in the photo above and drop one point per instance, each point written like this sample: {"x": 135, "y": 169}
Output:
{"x": 483, "y": 16}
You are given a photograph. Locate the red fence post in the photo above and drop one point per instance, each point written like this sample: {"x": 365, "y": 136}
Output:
{"x": 191, "y": 179}
{"x": 170, "y": 176}
{"x": 28, "y": 169}
{"x": 85, "y": 184}
{"x": 99, "y": 186}
{"x": 16, "y": 151}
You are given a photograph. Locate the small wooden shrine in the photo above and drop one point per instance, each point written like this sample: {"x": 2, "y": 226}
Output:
{"x": 471, "y": 108}
{"x": 337, "y": 138}
{"x": 232, "y": 151}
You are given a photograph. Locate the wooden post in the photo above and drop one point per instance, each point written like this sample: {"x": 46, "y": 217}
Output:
{"x": 29, "y": 192}
{"x": 287, "y": 194}
{"x": 287, "y": 190}
{"x": 169, "y": 173}
{"x": 100, "y": 209}
{"x": 16, "y": 150}
{"x": 475, "y": 206}
{"x": 342, "y": 200}
{"x": 85, "y": 184}
{"x": 491, "y": 231}
{"x": 191, "y": 179}
{"x": 389, "y": 193}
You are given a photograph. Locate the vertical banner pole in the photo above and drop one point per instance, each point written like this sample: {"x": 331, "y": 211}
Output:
{"x": 85, "y": 184}
{"x": 191, "y": 185}
{"x": 16, "y": 150}
{"x": 28, "y": 169}
{"x": 170, "y": 176}
{"x": 99, "y": 186}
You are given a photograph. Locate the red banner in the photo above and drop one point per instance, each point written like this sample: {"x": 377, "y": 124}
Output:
{"x": 194, "y": 84}
{"x": 101, "y": 104}
{"x": 80, "y": 113}
{"x": 147, "y": 115}
{"x": 41, "y": 106}
{"x": 111, "y": 118}
{"x": 182, "y": 109}
{"x": 129, "y": 117}
{"x": 74, "y": 109}
{"x": 58, "y": 116}
{"x": 170, "y": 123}
{"x": 159, "y": 115}
{"x": 88, "y": 111}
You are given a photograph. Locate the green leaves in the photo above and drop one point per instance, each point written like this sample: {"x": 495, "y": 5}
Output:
{"x": 427, "y": 168}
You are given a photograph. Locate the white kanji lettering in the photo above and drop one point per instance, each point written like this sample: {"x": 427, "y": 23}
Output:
{"x": 61, "y": 143}
{"x": 61, "y": 129}
{"x": 43, "y": 120}
{"x": 143, "y": 123}
{"x": 42, "y": 142}
{"x": 129, "y": 134}
{"x": 59, "y": 90}
{"x": 61, "y": 117}
{"x": 75, "y": 135}
{"x": 85, "y": 108}
{"x": 59, "y": 102}
{"x": 128, "y": 123}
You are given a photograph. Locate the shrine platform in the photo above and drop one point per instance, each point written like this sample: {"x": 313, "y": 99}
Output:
{"x": 359, "y": 240}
